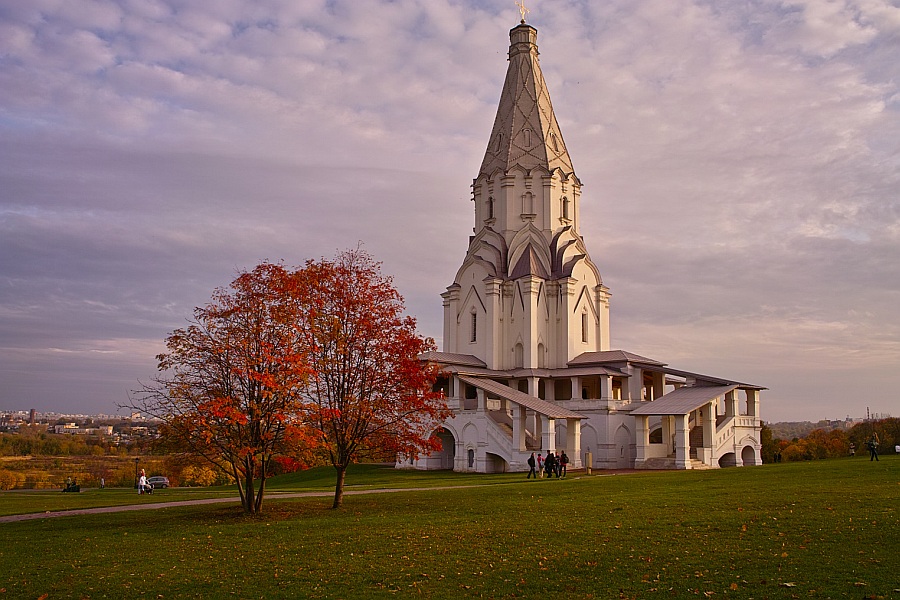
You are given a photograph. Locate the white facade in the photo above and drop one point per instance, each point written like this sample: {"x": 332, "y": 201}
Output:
{"x": 526, "y": 326}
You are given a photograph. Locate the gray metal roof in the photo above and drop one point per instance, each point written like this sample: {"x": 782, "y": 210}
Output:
{"x": 607, "y": 356}
{"x": 453, "y": 359}
{"x": 536, "y": 404}
{"x": 708, "y": 378}
{"x": 683, "y": 400}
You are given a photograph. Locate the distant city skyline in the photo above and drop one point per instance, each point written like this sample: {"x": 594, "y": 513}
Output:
{"x": 741, "y": 183}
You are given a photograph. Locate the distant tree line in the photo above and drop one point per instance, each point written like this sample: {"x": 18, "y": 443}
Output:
{"x": 50, "y": 444}
{"x": 832, "y": 443}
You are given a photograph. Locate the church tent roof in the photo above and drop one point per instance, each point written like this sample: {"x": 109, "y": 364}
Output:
{"x": 525, "y": 132}
{"x": 536, "y": 404}
{"x": 683, "y": 400}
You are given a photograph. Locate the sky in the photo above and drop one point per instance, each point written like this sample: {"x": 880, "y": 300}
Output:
{"x": 740, "y": 161}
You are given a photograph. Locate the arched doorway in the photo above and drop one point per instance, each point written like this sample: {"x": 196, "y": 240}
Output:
{"x": 748, "y": 456}
{"x": 623, "y": 441}
{"x": 447, "y": 454}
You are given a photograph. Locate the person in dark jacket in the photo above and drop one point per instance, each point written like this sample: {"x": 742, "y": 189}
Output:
{"x": 550, "y": 464}
{"x": 873, "y": 447}
{"x": 563, "y": 463}
{"x": 531, "y": 464}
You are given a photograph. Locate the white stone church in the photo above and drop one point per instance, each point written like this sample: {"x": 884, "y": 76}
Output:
{"x": 527, "y": 359}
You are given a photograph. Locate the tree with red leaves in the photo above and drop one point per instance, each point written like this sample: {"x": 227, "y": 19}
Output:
{"x": 229, "y": 384}
{"x": 367, "y": 390}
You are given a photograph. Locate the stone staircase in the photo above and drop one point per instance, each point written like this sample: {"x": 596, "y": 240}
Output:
{"x": 531, "y": 445}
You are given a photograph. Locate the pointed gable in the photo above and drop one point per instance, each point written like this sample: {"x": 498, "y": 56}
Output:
{"x": 529, "y": 264}
{"x": 525, "y": 131}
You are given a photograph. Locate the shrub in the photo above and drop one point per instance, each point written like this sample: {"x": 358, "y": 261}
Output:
{"x": 10, "y": 480}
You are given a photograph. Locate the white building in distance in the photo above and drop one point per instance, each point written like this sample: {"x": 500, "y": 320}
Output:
{"x": 527, "y": 359}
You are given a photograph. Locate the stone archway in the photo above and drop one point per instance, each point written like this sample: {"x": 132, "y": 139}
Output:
{"x": 748, "y": 456}
{"x": 447, "y": 455}
{"x": 623, "y": 448}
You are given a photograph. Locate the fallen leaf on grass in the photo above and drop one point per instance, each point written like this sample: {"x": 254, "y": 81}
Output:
{"x": 788, "y": 584}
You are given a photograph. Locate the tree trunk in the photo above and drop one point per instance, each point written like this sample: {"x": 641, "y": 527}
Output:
{"x": 249, "y": 503}
{"x": 240, "y": 484}
{"x": 260, "y": 493}
{"x": 339, "y": 487}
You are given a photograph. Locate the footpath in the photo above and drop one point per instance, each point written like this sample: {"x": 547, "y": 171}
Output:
{"x": 157, "y": 505}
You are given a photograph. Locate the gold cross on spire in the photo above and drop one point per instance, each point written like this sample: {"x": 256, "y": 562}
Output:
{"x": 522, "y": 10}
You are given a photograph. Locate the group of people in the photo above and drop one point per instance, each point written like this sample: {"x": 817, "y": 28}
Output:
{"x": 551, "y": 465}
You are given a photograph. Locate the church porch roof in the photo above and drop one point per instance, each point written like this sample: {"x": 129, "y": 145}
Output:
{"x": 683, "y": 400}
{"x": 536, "y": 404}
{"x": 613, "y": 356}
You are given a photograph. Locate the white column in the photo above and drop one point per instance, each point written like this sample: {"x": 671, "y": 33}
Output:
{"x": 548, "y": 434}
{"x": 493, "y": 348}
{"x": 605, "y": 387}
{"x": 682, "y": 443}
{"x": 635, "y": 384}
{"x": 530, "y": 287}
{"x": 753, "y": 403}
{"x": 731, "y": 404}
{"x": 709, "y": 431}
{"x": 518, "y": 419}
{"x": 659, "y": 385}
{"x": 576, "y": 388}
{"x": 573, "y": 442}
{"x": 642, "y": 433}
{"x": 602, "y": 295}
{"x": 451, "y": 323}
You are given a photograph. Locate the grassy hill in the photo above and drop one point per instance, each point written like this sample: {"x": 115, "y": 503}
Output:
{"x": 823, "y": 529}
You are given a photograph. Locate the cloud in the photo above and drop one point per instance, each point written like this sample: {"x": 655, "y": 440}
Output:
{"x": 740, "y": 161}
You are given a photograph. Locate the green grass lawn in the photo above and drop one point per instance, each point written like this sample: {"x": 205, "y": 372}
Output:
{"x": 825, "y": 529}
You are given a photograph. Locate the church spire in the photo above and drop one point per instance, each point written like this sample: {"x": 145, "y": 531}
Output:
{"x": 525, "y": 131}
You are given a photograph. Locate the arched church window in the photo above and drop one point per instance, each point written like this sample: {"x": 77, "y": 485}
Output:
{"x": 520, "y": 356}
{"x": 490, "y": 207}
{"x": 526, "y": 135}
{"x": 584, "y": 326}
{"x": 540, "y": 356}
{"x": 473, "y": 337}
{"x": 565, "y": 208}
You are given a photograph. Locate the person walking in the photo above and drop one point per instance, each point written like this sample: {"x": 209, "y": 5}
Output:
{"x": 564, "y": 463}
{"x": 540, "y": 465}
{"x": 873, "y": 447}
{"x": 531, "y": 465}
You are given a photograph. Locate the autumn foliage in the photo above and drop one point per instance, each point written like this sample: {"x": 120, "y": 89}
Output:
{"x": 228, "y": 384}
{"x": 287, "y": 365}
{"x": 367, "y": 391}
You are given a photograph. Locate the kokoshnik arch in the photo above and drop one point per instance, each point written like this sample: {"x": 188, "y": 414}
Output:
{"x": 527, "y": 361}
